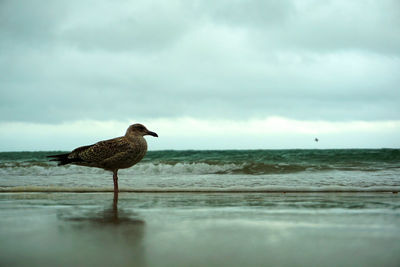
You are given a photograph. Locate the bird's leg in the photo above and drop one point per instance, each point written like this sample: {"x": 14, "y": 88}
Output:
{"x": 115, "y": 204}
{"x": 115, "y": 178}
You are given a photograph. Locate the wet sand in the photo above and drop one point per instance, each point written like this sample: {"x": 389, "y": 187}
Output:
{"x": 199, "y": 229}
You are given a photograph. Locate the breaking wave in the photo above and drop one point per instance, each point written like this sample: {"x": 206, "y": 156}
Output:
{"x": 213, "y": 171}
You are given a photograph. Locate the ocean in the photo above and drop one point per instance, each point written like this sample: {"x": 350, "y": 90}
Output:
{"x": 214, "y": 171}
{"x": 204, "y": 208}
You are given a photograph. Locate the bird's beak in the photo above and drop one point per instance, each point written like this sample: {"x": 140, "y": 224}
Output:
{"x": 152, "y": 133}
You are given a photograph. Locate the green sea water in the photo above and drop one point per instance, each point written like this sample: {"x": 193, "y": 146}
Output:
{"x": 219, "y": 170}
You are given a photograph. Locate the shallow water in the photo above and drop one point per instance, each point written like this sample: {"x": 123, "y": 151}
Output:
{"x": 200, "y": 229}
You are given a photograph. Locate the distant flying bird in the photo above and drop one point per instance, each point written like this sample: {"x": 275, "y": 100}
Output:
{"x": 316, "y": 139}
{"x": 111, "y": 155}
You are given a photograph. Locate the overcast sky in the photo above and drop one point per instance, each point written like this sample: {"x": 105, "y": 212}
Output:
{"x": 202, "y": 74}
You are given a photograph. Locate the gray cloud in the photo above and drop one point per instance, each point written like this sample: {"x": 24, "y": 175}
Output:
{"x": 332, "y": 60}
{"x": 257, "y": 13}
{"x": 316, "y": 25}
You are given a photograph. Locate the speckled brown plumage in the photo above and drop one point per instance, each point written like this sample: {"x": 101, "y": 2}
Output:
{"x": 117, "y": 153}
{"x": 113, "y": 154}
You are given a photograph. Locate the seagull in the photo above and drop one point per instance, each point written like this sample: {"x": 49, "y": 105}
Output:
{"x": 111, "y": 155}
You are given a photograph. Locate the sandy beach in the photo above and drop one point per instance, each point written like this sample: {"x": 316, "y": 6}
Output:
{"x": 200, "y": 229}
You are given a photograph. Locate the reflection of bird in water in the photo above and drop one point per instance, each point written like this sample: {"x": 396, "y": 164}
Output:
{"x": 108, "y": 216}
{"x": 125, "y": 229}
{"x": 117, "y": 216}
{"x": 316, "y": 139}
{"x": 112, "y": 155}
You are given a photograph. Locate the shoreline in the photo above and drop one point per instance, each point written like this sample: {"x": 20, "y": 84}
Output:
{"x": 189, "y": 191}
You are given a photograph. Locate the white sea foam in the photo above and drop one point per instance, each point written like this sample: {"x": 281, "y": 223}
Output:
{"x": 193, "y": 168}
{"x": 185, "y": 168}
{"x": 144, "y": 169}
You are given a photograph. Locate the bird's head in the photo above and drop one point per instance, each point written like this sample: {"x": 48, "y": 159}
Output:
{"x": 139, "y": 129}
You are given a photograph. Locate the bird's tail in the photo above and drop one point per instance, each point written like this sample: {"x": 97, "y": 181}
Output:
{"x": 62, "y": 159}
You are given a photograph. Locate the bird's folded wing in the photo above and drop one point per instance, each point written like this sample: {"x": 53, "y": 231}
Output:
{"x": 103, "y": 150}
{"x": 115, "y": 160}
